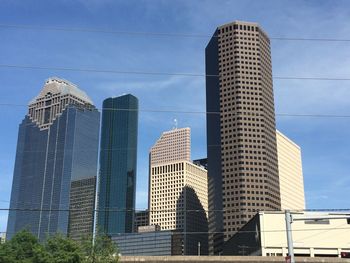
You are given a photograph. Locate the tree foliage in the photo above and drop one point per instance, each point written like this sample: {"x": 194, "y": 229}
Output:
{"x": 100, "y": 250}
{"x": 23, "y": 248}
{"x": 26, "y": 248}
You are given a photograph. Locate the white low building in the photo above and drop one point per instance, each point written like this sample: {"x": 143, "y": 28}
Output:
{"x": 265, "y": 235}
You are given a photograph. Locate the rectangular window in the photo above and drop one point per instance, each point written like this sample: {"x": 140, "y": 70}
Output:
{"x": 318, "y": 222}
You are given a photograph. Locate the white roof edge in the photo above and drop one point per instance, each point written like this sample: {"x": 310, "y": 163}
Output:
{"x": 244, "y": 23}
{"x": 64, "y": 87}
{"x": 288, "y": 139}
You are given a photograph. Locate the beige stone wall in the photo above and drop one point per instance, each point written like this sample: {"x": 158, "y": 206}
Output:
{"x": 313, "y": 238}
{"x": 166, "y": 184}
{"x": 290, "y": 173}
{"x": 233, "y": 259}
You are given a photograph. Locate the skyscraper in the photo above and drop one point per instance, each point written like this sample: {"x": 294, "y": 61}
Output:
{"x": 290, "y": 173}
{"x": 241, "y": 135}
{"x": 118, "y": 153}
{"x": 56, "y": 154}
{"x": 178, "y": 190}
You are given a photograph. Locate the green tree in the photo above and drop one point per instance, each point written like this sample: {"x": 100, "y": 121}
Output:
{"x": 25, "y": 248}
{"x": 60, "y": 249}
{"x": 100, "y": 250}
{"x": 22, "y": 248}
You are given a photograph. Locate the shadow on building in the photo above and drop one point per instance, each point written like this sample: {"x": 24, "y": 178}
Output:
{"x": 191, "y": 219}
{"x": 246, "y": 242}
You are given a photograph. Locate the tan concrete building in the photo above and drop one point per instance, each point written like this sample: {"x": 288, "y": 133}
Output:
{"x": 178, "y": 190}
{"x": 241, "y": 140}
{"x": 265, "y": 235}
{"x": 174, "y": 145}
{"x": 2, "y": 238}
{"x": 290, "y": 173}
{"x": 166, "y": 191}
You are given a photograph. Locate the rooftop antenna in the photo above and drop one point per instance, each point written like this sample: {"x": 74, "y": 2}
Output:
{"x": 175, "y": 124}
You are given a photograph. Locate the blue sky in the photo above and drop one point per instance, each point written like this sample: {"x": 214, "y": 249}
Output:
{"x": 325, "y": 142}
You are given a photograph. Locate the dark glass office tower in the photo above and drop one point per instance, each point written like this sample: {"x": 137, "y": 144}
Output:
{"x": 118, "y": 153}
{"x": 57, "y": 149}
{"x": 241, "y": 133}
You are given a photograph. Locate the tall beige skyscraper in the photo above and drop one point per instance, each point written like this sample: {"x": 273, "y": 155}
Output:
{"x": 290, "y": 173}
{"x": 178, "y": 191}
{"x": 241, "y": 133}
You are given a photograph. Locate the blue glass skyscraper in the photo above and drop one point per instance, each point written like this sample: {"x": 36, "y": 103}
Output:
{"x": 118, "y": 153}
{"x": 56, "y": 160}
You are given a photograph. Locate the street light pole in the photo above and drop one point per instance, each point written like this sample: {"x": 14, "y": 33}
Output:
{"x": 289, "y": 222}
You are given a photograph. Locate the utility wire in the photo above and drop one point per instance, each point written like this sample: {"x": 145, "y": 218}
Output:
{"x": 238, "y": 231}
{"x": 154, "y": 34}
{"x": 204, "y": 112}
{"x": 185, "y": 74}
{"x": 108, "y": 209}
{"x": 105, "y": 71}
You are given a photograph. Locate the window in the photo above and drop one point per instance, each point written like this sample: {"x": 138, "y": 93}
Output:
{"x": 318, "y": 222}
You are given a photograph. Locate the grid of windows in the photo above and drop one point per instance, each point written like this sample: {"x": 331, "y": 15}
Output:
{"x": 166, "y": 185}
{"x": 118, "y": 164}
{"x": 48, "y": 159}
{"x": 158, "y": 243}
{"x": 173, "y": 145}
{"x": 141, "y": 219}
{"x": 249, "y": 167}
{"x": 53, "y": 99}
{"x": 82, "y": 207}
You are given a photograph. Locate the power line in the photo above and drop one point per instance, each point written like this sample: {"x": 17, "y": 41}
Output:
{"x": 237, "y": 232}
{"x": 184, "y": 74}
{"x": 154, "y": 34}
{"x": 111, "y": 209}
{"x": 106, "y": 71}
{"x": 204, "y": 112}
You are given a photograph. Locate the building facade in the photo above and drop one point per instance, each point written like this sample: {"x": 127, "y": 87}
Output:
{"x": 168, "y": 182}
{"x": 174, "y": 145}
{"x": 290, "y": 173}
{"x": 241, "y": 134}
{"x": 141, "y": 219}
{"x": 2, "y": 238}
{"x": 156, "y": 243}
{"x": 118, "y": 160}
{"x": 265, "y": 235}
{"x": 178, "y": 190}
{"x": 57, "y": 148}
{"x": 202, "y": 162}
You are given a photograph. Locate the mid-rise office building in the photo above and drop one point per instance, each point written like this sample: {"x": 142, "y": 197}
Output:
{"x": 154, "y": 243}
{"x": 178, "y": 190}
{"x": 118, "y": 160}
{"x": 241, "y": 133}
{"x": 56, "y": 158}
{"x": 290, "y": 173}
{"x": 266, "y": 235}
{"x": 141, "y": 219}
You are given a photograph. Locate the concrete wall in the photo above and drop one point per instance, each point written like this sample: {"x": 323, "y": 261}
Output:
{"x": 234, "y": 259}
{"x": 314, "y": 238}
{"x": 290, "y": 173}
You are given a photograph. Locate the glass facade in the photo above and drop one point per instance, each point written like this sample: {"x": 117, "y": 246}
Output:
{"x": 158, "y": 243}
{"x": 47, "y": 161}
{"x": 118, "y": 153}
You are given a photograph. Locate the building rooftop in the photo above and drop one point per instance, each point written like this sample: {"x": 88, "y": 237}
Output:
{"x": 56, "y": 85}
